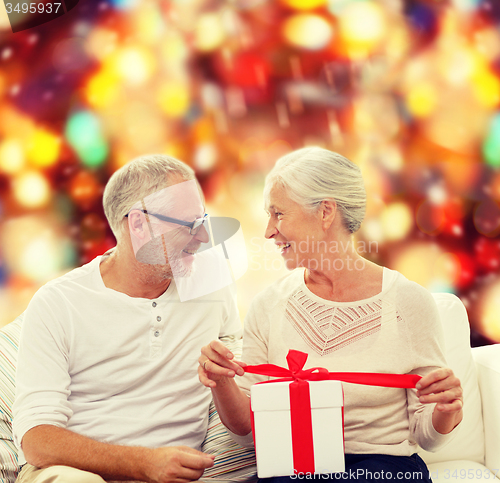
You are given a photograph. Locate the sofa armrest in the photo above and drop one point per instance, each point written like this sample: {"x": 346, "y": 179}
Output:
{"x": 487, "y": 359}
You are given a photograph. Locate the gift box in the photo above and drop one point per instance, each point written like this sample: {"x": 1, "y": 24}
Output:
{"x": 298, "y": 420}
{"x": 288, "y": 444}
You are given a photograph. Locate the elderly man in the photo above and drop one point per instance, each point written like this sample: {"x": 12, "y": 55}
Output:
{"x": 107, "y": 384}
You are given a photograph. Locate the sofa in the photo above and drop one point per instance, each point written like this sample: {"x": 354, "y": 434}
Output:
{"x": 474, "y": 453}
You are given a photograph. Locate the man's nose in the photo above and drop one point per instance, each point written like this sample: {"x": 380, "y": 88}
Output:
{"x": 202, "y": 234}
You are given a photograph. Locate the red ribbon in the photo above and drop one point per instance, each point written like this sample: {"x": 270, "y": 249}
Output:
{"x": 300, "y": 401}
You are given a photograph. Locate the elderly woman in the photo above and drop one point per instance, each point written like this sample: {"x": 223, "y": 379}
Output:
{"x": 348, "y": 314}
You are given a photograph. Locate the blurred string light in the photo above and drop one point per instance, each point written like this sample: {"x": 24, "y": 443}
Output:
{"x": 429, "y": 218}
{"x": 487, "y": 42}
{"x": 466, "y": 5}
{"x": 83, "y": 132}
{"x": 35, "y": 248}
{"x": 101, "y": 43}
{"x": 487, "y": 254}
{"x": 135, "y": 65}
{"x": 397, "y": 221}
{"x": 491, "y": 146}
{"x": 12, "y": 158}
{"x": 124, "y": 5}
{"x": 305, "y": 4}
{"x": 149, "y": 24}
{"x": 424, "y": 263}
{"x": 337, "y": 6}
{"x": 362, "y": 26}
{"x": 132, "y": 66}
{"x": 487, "y": 218}
{"x": 174, "y": 50}
{"x": 410, "y": 86}
{"x": 43, "y": 148}
{"x": 486, "y": 87}
{"x": 421, "y": 99}
{"x": 31, "y": 189}
{"x": 174, "y": 98}
{"x": 205, "y": 157}
{"x": 84, "y": 189}
{"x": 103, "y": 89}
{"x": 307, "y": 31}
{"x": 490, "y": 311}
{"x": 209, "y": 32}
{"x": 456, "y": 126}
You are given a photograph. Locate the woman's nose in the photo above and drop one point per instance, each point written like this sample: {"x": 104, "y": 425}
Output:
{"x": 271, "y": 229}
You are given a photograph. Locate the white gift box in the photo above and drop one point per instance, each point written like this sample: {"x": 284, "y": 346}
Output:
{"x": 270, "y": 403}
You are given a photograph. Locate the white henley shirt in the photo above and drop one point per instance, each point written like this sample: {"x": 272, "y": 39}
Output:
{"x": 117, "y": 369}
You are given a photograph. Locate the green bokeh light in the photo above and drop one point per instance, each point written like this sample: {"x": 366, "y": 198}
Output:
{"x": 491, "y": 146}
{"x": 83, "y": 132}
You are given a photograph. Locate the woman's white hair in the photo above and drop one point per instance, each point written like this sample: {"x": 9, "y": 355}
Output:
{"x": 312, "y": 175}
{"x": 137, "y": 179}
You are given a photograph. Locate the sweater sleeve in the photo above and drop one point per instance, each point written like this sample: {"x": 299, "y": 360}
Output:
{"x": 255, "y": 341}
{"x": 42, "y": 374}
{"x": 230, "y": 328}
{"x": 426, "y": 344}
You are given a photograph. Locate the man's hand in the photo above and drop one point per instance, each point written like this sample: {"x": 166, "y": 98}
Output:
{"x": 441, "y": 386}
{"x": 48, "y": 445}
{"x": 178, "y": 464}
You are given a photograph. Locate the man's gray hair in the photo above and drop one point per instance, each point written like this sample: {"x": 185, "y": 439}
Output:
{"x": 137, "y": 179}
{"x": 312, "y": 175}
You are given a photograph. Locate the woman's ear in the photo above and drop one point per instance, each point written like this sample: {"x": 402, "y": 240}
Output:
{"x": 328, "y": 212}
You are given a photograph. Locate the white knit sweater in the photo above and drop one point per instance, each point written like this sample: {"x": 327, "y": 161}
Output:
{"x": 395, "y": 331}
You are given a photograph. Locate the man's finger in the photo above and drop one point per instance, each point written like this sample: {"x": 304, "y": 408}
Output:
{"x": 196, "y": 461}
{"x": 188, "y": 449}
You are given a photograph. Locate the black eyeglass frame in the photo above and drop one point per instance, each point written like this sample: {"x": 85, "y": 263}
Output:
{"x": 194, "y": 226}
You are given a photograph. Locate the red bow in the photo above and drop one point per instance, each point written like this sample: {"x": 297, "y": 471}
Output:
{"x": 300, "y": 402}
{"x": 297, "y": 359}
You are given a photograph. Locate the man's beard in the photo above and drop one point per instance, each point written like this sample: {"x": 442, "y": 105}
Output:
{"x": 164, "y": 260}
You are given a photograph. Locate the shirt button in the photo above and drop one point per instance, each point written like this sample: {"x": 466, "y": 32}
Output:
{"x": 157, "y": 333}
{"x": 158, "y": 318}
{"x": 154, "y": 304}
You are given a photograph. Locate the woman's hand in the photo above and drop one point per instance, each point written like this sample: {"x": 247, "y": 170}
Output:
{"x": 441, "y": 386}
{"x": 217, "y": 363}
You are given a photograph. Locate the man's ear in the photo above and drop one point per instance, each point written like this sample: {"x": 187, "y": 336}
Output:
{"x": 137, "y": 224}
{"x": 328, "y": 211}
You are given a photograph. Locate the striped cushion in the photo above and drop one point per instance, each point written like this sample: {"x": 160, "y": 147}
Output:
{"x": 9, "y": 342}
{"x": 231, "y": 460}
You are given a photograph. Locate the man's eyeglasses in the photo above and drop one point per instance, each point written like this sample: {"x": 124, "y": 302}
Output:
{"x": 194, "y": 226}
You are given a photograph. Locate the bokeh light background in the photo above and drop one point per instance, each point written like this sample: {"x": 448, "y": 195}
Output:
{"x": 407, "y": 89}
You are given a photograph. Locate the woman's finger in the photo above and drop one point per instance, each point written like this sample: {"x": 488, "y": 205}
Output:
{"x": 442, "y": 397}
{"x": 454, "y": 406}
{"x": 433, "y": 377}
{"x": 440, "y": 386}
{"x": 204, "y": 379}
{"x": 216, "y": 354}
